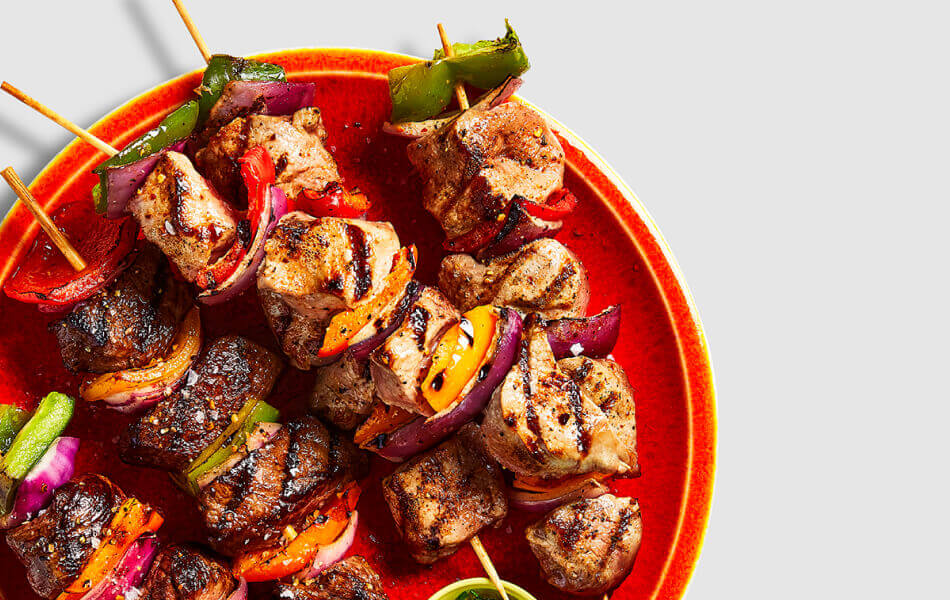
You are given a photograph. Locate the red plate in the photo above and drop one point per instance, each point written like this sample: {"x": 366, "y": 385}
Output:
{"x": 661, "y": 347}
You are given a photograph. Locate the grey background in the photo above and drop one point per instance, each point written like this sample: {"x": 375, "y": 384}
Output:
{"x": 795, "y": 157}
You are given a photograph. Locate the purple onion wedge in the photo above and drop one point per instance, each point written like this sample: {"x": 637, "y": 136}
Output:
{"x": 426, "y": 432}
{"x": 124, "y": 181}
{"x": 240, "y": 592}
{"x": 519, "y": 229}
{"x": 53, "y": 470}
{"x": 129, "y": 573}
{"x": 362, "y": 349}
{"x": 334, "y": 551}
{"x": 545, "y": 501}
{"x": 263, "y": 97}
{"x": 594, "y": 336}
{"x": 275, "y": 207}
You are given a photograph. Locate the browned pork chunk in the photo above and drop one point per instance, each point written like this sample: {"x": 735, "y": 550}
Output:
{"x": 183, "y": 216}
{"x": 473, "y": 168}
{"x": 587, "y": 547}
{"x": 55, "y": 545}
{"x": 229, "y": 372}
{"x": 350, "y": 579}
{"x": 399, "y": 364}
{"x": 279, "y": 484}
{"x": 344, "y": 392}
{"x": 183, "y": 572}
{"x": 295, "y": 143}
{"x": 542, "y": 276}
{"x": 540, "y": 423}
{"x": 127, "y": 325}
{"x": 443, "y": 497}
{"x": 606, "y": 384}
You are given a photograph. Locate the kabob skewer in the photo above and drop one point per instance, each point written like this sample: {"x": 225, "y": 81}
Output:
{"x": 193, "y": 30}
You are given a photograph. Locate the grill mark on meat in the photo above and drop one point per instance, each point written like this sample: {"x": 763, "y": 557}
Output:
{"x": 248, "y": 467}
{"x": 576, "y": 402}
{"x": 291, "y": 462}
{"x": 557, "y": 285}
{"x": 360, "y": 262}
{"x": 281, "y": 165}
{"x": 419, "y": 321}
{"x": 179, "y": 191}
{"x": 626, "y": 516}
{"x": 585, "y": 370}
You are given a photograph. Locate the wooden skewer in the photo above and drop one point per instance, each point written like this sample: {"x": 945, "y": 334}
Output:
{"x": 459, "y": 87}
{"x": 59, "y": 119}
{"x": 488, "y": 566}
{"x": 193, "y": 30}
{"x": 51, "y": 230}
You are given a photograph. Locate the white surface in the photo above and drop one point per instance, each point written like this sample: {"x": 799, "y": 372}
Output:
{"x": 795, "y": 156}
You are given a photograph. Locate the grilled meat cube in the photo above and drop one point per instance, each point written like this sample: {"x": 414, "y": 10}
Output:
{"x": 542, "y": 276}
{"x": 474, "y": 167}
{"x": 350, "y": 579}
{"x": 55, "y": 545}
{"x": 540, "y": 423}
{"x": 127, "y": 325}
{"x": 399, "y": 364}
{"x": 299, "y": 337}
{"x": 295, "y": 143}
{"x": 183, "y": 572}
{"x": 320, "y": 266}
{"x": 606, "y": 384}
{"x": 276, "y": 485}
{"x": 587, "y": 547}
{"x": 230, "y": 371}
{"x": 185, "y": 217}
{"x": 443, "y": 497}
{"x": 344, "y": 392}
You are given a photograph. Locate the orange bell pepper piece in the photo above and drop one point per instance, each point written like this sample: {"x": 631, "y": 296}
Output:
{"x": 345, "y": 325}
{"x": 383, "y": 419}
{"x": 300, "y": 551}
{"x": 458, "y": 357}
{"x": 131, "y": 521}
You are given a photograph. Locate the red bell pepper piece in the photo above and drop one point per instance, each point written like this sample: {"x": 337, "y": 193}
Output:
{"x": 476, "y": 239}
{"x": 557, "y": 206}
{"x": 333, "y": 201}
{"x": 45, "y": 277}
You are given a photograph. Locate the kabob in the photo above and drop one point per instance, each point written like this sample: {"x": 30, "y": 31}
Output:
{"x": 404, "y": 426}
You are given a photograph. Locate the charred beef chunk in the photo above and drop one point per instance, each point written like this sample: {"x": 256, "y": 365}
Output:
{"x": 294, "y": 142}
{"x": 587, "y": 547}
{"x": 282, "y": 483}
{"x": 130, "y": 323}
{"x": 542, "y": 276}
{"x": 183, "y": 572}
{"x": 344, "y": 392}
{"x": 55, "y": 545}
{"x": 474, "y": 167}
{"x": 443, "y": 497}
{"x": 182, "y": 215}
{"x": 229, "y": 372}
{"x": 350, "y": 579}
{"x": 540, "y": 423}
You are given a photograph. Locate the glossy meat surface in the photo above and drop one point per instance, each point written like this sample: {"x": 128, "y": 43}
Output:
{"x": 184, "y": 572}
{"x": 473, "y": 168}
{"x": 295, "y": 144}
{"x": 350, "y": 579}
{"x": 55, "y": 545}
{"x": 543, "y": 276}
{"x": 344, "y": 392}
{"x": 182, "y": 215}
{"x": 443, "y": 497}
{"x": 539, "y": 422}
{"x": 130, "y": 323}
{"x": 587, "y": 547}
{"x": 279, "y": 484}
{"x": 229, "y": 372}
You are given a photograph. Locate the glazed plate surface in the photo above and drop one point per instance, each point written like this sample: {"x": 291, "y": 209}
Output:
{"x": 661, "y": 346}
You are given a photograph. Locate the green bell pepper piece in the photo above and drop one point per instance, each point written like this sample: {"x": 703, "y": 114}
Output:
{"x": 12, "y": 419}
{"x": 424, "y": 89}
{"x": 31, "y": 442}
{"x": 261, "y": 413}
{"x": 222, "y": 69}
{"x": 175, "y": 127}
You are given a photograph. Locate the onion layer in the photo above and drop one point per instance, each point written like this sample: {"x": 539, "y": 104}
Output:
{"x": 274, "y": 207}
{"x": 519, "y": 229}
{"x": 129, "y": 573}
{"x": 133, "y": 389}
{"x": 332, "y": 552}
{"x": 53, "y": 470}
{"x": 545, "y": 501}
{"x": 124, "y": 181}
{"x": 362, "y": 349}
{"x": 263, "y": 97}
{"x": 593, "y": 336}
{"x": 240, "y": 592}
{"x": 425, "y": 432}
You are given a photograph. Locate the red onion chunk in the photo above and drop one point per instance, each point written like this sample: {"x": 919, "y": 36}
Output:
{"x": 275, "y": 206}
{"x": 361, "y": 350}
{"x": 594, "y": 336}
{"x": 545, "y": 501}
{"x": 240, "y": 592}
{"x": 124, "y": 181}
{"x": 129, "y": 573}
{"x": 519, "y": 229}
{"x": 53, "y": 470}
{"x": 426, "y": 432}
{"x": 265, "y": 97}
{"x": 332, "y": 552}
